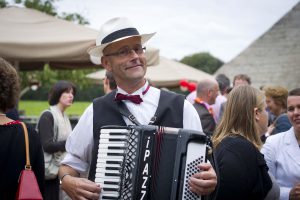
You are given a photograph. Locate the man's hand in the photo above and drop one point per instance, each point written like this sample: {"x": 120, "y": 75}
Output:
{"x": 295, "y": 192}
{"x": 205, "y": 181}
{"x": 80, "y": 188}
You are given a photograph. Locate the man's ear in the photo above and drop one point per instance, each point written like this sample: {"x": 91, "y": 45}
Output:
{"x": 105, "y": 63}
{"x": 209, "y": 92}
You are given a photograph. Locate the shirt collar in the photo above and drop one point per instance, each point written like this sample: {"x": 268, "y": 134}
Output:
{"x": 137, "y": 92}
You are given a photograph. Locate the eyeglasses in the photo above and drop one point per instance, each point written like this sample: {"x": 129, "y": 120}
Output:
{"x": 125, "y": 51}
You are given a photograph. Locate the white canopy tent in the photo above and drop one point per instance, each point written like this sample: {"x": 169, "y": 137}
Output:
{"x": 29, "y": 39}
{"x": 167, "y": 73}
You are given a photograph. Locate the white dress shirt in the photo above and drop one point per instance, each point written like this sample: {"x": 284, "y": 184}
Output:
{"x": 79, "y": 145}
{"x": 282, "y": 154}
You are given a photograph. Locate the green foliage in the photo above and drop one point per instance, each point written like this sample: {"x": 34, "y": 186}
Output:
{"x": 87, "y": 94}
{"x": 74, "y": 17}
{"x": 47, "y": 6}
{"x": 48, "y": 77}
{"x": 43, "y": 6}
{"x": 3, "y": 3}
{"x": 203, "y": 61}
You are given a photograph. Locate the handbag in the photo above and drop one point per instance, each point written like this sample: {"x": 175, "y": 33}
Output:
{"x": 28, "y": 188}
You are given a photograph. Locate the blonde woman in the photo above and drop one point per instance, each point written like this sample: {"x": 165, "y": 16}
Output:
{"x": 276, "y": 99}
{"x": 243, "y": 173}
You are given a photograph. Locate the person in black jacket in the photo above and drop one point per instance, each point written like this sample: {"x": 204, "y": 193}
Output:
{"x": 12, "y": 142}
{"x": 243, "y": 173}
{"x": 207, "y": 92}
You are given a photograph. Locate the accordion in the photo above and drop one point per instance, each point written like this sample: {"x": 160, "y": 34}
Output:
{"x": 148, "y": 162}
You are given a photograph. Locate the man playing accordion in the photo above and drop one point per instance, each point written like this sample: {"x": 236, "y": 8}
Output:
{"x": 120, "y": 48}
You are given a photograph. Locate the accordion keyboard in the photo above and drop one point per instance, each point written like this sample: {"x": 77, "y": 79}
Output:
{"x": 112, "y": 147}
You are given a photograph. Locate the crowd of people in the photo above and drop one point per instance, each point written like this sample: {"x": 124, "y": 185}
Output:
{"x": 255, "y": 132}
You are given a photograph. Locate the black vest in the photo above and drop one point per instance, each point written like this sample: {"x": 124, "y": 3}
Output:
{"x": 169, "y": 113}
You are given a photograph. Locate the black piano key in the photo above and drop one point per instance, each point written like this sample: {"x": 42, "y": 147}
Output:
{"x": 116, "y": 147}
{"x": 110, "y": 189}
{"x": 113, "y": 162}
{"x": 116, "y": 140}
{"x": 111, "y": 183}
{"x": 114, "y": 133}
{"x": 112, "y": 174}
{"x": 112, "y": 168}
{"x": 115, "y": 154}
{"x": 108, "y": 197}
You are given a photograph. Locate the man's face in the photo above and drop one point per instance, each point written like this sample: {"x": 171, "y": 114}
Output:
{"x": 293, "y": 111}
{"x": 214, "y": 94}
{"x": 129, "y": 68}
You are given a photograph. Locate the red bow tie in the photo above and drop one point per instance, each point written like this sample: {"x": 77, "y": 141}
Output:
{"x": 133, "y": 98}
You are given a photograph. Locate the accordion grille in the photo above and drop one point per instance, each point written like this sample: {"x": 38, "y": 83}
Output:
{"x": 129, "y": 165}
{"x": 191, "y": 168}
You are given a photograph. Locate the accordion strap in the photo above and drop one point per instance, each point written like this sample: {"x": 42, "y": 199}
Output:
{"x": 125, "y": 112}
{"x": 27, "y": 166}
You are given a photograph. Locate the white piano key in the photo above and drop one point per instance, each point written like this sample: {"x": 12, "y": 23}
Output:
{"x": 115, "y": 174}
{"x": 106, "y": 136}
{"x": 110, "y": 160}
{"x": 106, "y": 171}
{"x": 109, "y": 194}
{"x": 106, "y": 141}
{"x": 114, "y": 131}
{"x": 110, "y": 186}
{"x": 105, "y": 180}
{"x": 106, "y": 145}
{"x": 113, "y": 158}
{"x": 103, "y": 165}
{"x": 103, "y": 151}
{"x": 108, "y": 179}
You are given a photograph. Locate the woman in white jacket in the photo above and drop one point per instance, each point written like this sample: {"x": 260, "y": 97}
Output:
{"x": 282, "y": 152}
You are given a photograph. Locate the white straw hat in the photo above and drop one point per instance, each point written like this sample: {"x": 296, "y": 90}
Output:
{"x": 114, "y": 30}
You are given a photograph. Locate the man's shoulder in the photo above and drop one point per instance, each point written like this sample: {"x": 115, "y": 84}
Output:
{"x": 172, "y": 94}
{"x": 105, "y": 97}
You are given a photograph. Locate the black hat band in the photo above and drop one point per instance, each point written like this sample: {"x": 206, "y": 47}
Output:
{"x": 119, "y": 34}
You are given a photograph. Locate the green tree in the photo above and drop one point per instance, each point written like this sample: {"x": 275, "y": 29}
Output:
{"x": 48, "y": 77}
{"x": 3, "y": 4}
{"x": 47, "y": 6}
{"x": 203, "y": 61}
